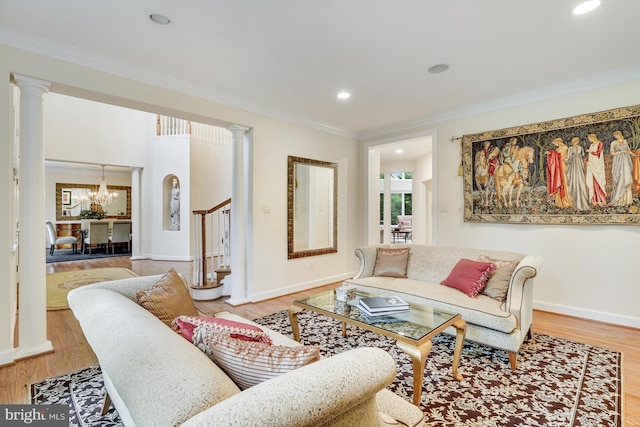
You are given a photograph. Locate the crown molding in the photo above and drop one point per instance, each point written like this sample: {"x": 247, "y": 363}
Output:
{"x": 576, "y": 86}
{"x": 61, "y": 51}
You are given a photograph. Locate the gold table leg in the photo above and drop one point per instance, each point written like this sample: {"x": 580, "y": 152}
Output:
{"x": 461, "y": 329}
{"x": 293, "y": 318}
{"x": 418, "y": 355}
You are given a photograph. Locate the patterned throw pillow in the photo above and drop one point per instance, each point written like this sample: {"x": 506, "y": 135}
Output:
{"x": 249, "y": 363}
{"x": 469, "y": 276}
{"x": 185, "y": 325}
{"x": 498, "y": 283}
{"x": 168, "y": 298}
{"x": 391, "y": 262}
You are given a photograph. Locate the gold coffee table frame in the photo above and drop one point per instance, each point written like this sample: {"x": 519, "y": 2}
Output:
{"x": 417, "y": 344}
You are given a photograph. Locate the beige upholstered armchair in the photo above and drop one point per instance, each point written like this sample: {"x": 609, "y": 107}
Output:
{"x": 53, "y": 240}
{"x": 405, "y": 223}
{"x": 405, "y": 226}
{"x": 120, "y": 233}
{"x": 98, "y": 235}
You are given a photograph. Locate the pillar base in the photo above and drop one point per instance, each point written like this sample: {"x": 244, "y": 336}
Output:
{"x": 25, "y": 353}
{"x": 237, "y": 301}
{"x": 6, "y": 358}
{"x": 206, "y": 293}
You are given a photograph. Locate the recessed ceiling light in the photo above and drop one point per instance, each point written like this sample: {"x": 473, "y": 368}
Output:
{"x": 439, "y": 68}
{"x": 399, "y": 151}
{"x": 586, "y": 7}
{"x": 159, "y": 19}
{"x": 344, "y": 95}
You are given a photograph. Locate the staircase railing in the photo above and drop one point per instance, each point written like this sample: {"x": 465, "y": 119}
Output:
{"x": 171, "y": 126}
{"x": 215, "y": 256}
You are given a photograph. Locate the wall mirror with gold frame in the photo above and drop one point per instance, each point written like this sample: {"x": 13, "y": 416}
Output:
{"x": 69, "y": 201}
{"x": 312, "y": 207}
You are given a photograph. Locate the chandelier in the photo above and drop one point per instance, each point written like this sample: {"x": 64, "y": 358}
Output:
{"x": 103, "y": 196}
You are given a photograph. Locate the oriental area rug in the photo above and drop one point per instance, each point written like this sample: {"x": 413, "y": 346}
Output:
{"x": 83, "y": 392}
{"x": 557, "y": 383}
{"x": 59, "y": 284}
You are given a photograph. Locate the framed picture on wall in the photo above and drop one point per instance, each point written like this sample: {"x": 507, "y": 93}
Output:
{"x": 577, "y": 170}
{"x": 66, "y": 198}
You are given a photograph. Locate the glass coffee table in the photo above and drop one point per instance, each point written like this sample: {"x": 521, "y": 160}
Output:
{"x": 412, "y": 329}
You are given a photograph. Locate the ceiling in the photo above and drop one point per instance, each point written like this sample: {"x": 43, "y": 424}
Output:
{"x": 290, "y": 58}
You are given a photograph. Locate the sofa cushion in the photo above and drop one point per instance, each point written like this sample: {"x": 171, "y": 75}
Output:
{"x": 391, "y": 262}
{"x": 168, "y": 298}
{"x": 498, "y": 284}
{"x": 469, "y": 276}
{"x": 185, "y": 325}
{"x": 249, "y": 363}
{"x": 482, "y": 310}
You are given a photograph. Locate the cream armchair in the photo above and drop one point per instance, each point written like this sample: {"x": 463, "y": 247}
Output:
{"x": 53, "y": 240}
{"x": 120, "y": 233}
{"x": 98, "y": 235}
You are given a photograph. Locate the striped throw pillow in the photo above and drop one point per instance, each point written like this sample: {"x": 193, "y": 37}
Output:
{"x": 248, "y": 363}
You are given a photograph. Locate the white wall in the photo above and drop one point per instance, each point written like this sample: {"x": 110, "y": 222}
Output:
{"x": 422, "y": 173}
{"x": 274, "y": 273}
{"x": 210, "y": 174}
{"x": 169, "y": 156}
{"x": 589, "y": 271}
{"x": 83, "y": 131}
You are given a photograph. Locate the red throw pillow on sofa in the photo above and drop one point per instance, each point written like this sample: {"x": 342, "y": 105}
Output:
{"x": 469, "y": 276}
{"x": 185, "y": 325}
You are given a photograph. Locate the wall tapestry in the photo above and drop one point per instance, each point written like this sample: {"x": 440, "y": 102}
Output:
{"x": 577, "y": 170}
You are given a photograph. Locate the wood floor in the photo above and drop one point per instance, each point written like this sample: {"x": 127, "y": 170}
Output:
{"x": 71, "y": 351}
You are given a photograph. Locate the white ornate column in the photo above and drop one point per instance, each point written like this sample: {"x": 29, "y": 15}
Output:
{"x": 136, "y": 249}
{"x": 238, "y": 217}
{"x": 32, "y": 268}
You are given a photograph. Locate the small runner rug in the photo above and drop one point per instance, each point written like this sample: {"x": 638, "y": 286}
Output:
{"x": 59, "y": 284}
{"x": 557, "y": 383}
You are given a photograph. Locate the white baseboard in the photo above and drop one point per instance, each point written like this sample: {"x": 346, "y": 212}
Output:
{"x": 168, "y": 258}
{"x": 7, "y": 357}
{"x": 600, "y": 316}
{"x": 298, "y": 287}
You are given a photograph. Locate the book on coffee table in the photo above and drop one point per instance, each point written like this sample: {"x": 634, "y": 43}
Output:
{"x": 385, "y": 316}
{"x": 370, "y": 314}
{"x": 383, "y": 303}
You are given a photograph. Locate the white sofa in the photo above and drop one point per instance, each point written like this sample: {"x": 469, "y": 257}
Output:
{"x": 502, "y": 325}
{"x": 156, "y": 378}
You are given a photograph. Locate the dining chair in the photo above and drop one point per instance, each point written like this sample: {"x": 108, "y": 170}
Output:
{"x": 98, "y": 235}
{"x": 120, "y": 233}
{"x": 53, "y": 240}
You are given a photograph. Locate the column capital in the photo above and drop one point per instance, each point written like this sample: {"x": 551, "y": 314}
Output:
{"x": 238, "y": 128}
{"x": 24, "y": 82}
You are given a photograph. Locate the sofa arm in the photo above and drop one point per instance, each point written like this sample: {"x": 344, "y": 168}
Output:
{"x": 336, "y": 391}
{"x": 520, "y": 297}
{"x": 128, "y": 287}
{"x": 367, "y": 258}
